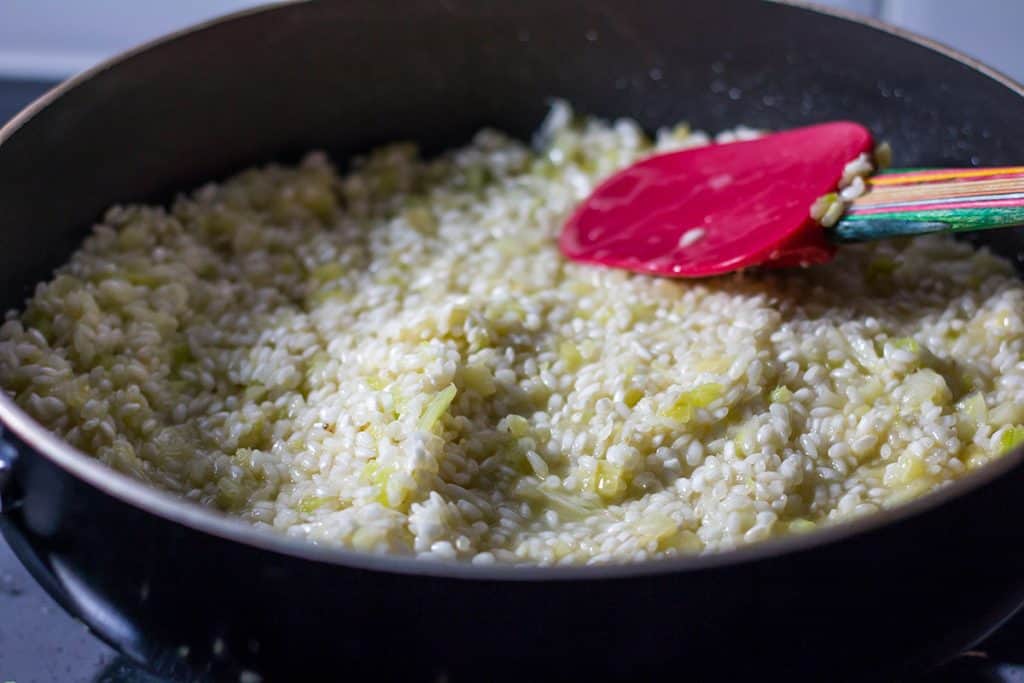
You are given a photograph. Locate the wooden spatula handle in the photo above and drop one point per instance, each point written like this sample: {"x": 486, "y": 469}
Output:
{"x": 916, "y": 201}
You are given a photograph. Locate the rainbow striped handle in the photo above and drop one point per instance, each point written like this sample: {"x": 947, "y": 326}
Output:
{"x": 916, "y": 201}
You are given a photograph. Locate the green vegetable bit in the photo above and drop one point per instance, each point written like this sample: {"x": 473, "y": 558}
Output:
{"x": 436, "y": 408}
{"x": 1011, "y": 438}
{"x": 313, "y": 503}
{"x": 699, "y": 397}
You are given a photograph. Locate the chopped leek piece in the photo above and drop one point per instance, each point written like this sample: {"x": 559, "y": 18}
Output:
{"x": 1011, "y": 438}
{"x": 312, "y": 503}
{"x": 518, "y": 425}
{"x": 699, "y": 397}
{"x": 632, "y": 396}
{"x": 974, "y": 407}
{"x": 609, "y": 480}
{"x": 907, "y": 344}
{"x": 801, "y": 526}
{"x": 570, "y": 355}
{"x": 181, "y": 354}
{"x": 436, "y": 408}
{"x": 327, "y": 272}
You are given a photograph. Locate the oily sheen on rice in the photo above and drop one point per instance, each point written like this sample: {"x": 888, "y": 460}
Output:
{"x": 400, "y": 360}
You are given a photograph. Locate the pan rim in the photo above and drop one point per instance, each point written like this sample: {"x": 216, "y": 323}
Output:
{"x": 177, "y": 510}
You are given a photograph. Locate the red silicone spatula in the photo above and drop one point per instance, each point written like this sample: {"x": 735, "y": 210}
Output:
{"x": 720, "y": 208}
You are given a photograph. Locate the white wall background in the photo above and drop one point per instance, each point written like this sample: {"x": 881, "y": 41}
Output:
{"x": 987, "y": 29}
{"x": 50, "y": 39}
{"x": 55, "y": 38}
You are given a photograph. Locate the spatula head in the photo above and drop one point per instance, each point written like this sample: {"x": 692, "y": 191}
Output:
{"x": 719, "y": 208}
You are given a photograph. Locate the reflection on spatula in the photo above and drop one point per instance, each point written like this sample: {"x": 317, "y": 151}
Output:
{"x": 720, "y": 208}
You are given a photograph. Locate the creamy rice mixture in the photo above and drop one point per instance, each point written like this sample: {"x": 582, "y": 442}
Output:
{"x": 399, "y": 359}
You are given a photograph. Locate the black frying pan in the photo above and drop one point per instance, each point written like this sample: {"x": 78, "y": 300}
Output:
{"x": 192, "y": 594}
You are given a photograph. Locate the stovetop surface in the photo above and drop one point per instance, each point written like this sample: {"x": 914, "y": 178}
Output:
{"x": 40, "y": 643}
